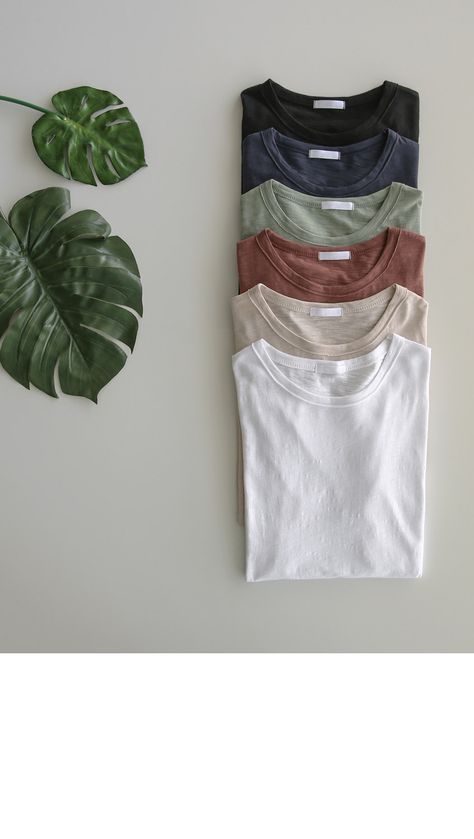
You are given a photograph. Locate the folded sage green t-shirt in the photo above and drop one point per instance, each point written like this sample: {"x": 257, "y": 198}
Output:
{"x": 327, "y": 221}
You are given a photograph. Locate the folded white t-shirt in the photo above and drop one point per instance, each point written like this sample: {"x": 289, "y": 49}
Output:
{"x": 334, "y": 461}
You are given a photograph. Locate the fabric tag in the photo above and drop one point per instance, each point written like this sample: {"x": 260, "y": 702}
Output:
{"x": 329, "y": 312}
{"x": 335, "y": 104}
{"x": 322, "y": 255}
{"x": 325, "y": 154}
{"x": 337, "y": 205}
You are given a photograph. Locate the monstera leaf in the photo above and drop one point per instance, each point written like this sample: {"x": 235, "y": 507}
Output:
{"x": 87, "y": 136}
{"x": 64, "y": 283}
{"x": 64, "y": 139}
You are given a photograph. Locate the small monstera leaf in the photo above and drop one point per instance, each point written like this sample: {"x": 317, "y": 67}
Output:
{"x": 86, "y": 135}
{"x": 64, "y": 285}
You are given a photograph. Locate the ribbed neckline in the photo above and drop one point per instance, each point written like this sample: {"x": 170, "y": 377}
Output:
{"x": 275, "y": 95}
{"x": 273, "y": 246}
{"x": 270, "y": 190}
{"x": 267, "y": 302}
{"x": 272, "y": 360}
{"x": 275, "y": 144}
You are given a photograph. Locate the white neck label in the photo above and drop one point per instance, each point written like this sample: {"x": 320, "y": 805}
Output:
{"x": 328, "y": 312}
{"x": 337, "y": 205}
{"x": 323, "y": 255}
{"x": 335, "y": 104}
{"x": 325, "y": 154}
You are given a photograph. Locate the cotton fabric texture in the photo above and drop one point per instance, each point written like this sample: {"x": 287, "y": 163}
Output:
{"x": 298, "y": 270}
{"x": 305, "y": 218}
{"x": 303, "y": 328}
{"x": 389, "y": 105}
{"x": 334, "y": 460}
{"x": 363, "y": 167}
{"x": 327, "y": 330}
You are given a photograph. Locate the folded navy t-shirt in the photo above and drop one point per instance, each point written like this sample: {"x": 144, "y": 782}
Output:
{"x": 332, "y": 171}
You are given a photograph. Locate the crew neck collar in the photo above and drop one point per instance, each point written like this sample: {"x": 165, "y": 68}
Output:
{"x": 275, "y": 95}
{"x": 267, "y": 302}
{"x": 273, "y": 360}
{"x": 275, "y": 144}
{"x": 270, "y": 191}
{"x": 274, "y": 247}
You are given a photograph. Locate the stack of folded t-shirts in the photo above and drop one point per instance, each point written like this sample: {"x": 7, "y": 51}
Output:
{"x": 331, "y": 363}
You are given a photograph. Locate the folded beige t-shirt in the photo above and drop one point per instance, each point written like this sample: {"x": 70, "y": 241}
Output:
{"x": 324, "y": 330}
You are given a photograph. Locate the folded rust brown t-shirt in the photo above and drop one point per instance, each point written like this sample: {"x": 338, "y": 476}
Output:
{"x": 311, "y": 272}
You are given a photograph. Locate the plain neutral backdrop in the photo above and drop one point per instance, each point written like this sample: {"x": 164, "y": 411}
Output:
{"x": 118, "y": 528}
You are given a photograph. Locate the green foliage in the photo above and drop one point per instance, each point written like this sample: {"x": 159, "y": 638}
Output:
{"x": 87, "y": 135}
{"x": 64, "y": 283}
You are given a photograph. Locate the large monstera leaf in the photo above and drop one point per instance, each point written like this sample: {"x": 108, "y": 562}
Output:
{"x": 87, "y": 135}
{"x": 64, "y": 285}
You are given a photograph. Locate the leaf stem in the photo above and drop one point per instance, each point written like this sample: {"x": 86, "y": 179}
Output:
{"x": 28, "y": 105}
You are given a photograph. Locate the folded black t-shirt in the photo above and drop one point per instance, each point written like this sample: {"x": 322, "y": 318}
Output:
{"x": 335, "y": 171}
{"x": 348, "y": 120}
